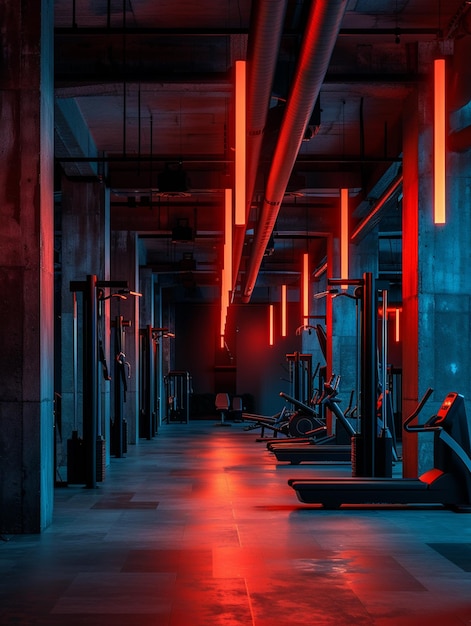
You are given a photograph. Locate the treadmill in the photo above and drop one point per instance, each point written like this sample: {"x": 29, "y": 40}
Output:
{"x": 447, "y": 483}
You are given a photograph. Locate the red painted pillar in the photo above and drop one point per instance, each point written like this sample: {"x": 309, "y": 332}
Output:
{"x": 410, "y": 274}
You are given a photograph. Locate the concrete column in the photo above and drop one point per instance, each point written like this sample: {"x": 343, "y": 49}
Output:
{"x": 436, "y": 261}
{"x": 85, "y": 251}
{"x": 146, "y": 306}
{"x": 26, "y": 267}
{"x": 125, "y": 266}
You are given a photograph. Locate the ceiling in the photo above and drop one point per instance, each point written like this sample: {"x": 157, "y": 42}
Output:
{"x": 154, "y": 84}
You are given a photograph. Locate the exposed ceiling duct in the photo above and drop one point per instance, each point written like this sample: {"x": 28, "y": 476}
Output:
{"x": 319, "y": 39}
{"x": 263, "y": 45}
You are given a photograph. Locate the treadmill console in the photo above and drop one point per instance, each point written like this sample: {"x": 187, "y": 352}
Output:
{"x": 445, "y": 407}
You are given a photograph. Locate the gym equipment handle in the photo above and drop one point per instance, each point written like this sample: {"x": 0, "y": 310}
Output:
{"x": 420, "y": 406}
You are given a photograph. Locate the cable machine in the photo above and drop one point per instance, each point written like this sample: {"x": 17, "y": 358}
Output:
{"x": 178, "y": 392}
{"x": 122, "y": 371}
{"x": 83, "y": 466}
{"x": 300, "y": 376}
{"x": 370, "y": 446}
{"x": 148, "y": 410}
{"x": 150, "y": 379}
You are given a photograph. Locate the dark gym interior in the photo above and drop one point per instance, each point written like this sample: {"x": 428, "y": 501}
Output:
{"x": 234, "y": 260}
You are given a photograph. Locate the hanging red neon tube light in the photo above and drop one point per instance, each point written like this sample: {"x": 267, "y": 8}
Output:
{"x": 226, "y": 275}
{"x": 224, "y": 305}
{"x": 228, "y": 239}
{"x": 439, "y": 142}
{"x": 344, "y": 235}
{"x": 397, "y": 327}
{"x": 271, "y": 325}
{"x": 240, "y": 142}
{"x": 283, "y": 310}
{"x": 305, "y": 290}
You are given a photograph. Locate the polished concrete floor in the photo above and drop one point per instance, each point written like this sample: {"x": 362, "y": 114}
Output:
{"x": 198, "y": 527}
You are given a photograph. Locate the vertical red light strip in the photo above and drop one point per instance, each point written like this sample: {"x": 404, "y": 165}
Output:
{"x": 226, "y": 275}
{"x": 228, "y": 239}
{"x": 283, "y": 310}
{"x": 305, "y": 279}
{"x": 397, "y": 327}
{"x": 271, "y": 325}
{"x": 223, "y": 307}
{"x": 240, "y": 142}
{"x": 344, "y": 234}
{"x": 439, "y": 142}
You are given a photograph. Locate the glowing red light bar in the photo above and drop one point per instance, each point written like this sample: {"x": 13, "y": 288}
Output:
{"x": 344, "y": 234}
{"x": 305, "y": 279}
{"x": 283, "y": 310}
{"x": 439, "y": 142}
{"x": 240, "y": 142}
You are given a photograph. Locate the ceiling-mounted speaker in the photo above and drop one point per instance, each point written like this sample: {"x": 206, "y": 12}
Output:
{"x": 173, "y": 179}
{"x": 187, "y": 262}
{"x": 182, "y": 232}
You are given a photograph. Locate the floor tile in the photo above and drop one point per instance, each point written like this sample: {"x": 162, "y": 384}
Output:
{"x": 199, "y": 527}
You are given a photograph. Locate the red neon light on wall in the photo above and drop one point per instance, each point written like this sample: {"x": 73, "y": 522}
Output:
{"x": 305, "y": 289}
{"x": 240, "y": 142}
{"x": 283, "y": 310}
{"x": 271, "y": 339}
{"x": 224, "y": 304}
{"x": 226, "y": 275}
{"x": 394, "y": 312}
{"x": 228, "y": 238}
{"x": 344, "y": 233}
{"x": 439, "y": 142}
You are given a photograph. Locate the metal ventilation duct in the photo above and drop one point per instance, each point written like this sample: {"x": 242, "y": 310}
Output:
{"x": 263, "y": 46}
{"x": 319, "y": 39}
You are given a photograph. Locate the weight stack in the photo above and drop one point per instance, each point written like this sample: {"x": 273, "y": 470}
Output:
{"x": 75, "y": 460}
{"x": 125, "y": 436}
{"x": 115, "y": 443}
{"x": 383, "y": 457}
{"x": 100, "y": 459}
{"x": 76, "y": 474}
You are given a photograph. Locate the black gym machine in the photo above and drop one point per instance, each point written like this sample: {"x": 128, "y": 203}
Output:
{"x": 86, "y": 455}
{"x": 291, "y": 424}
{"x": 318, "y": 446}
{"x": 297, "y": 422}
{"x": 148, "y": 396}
{"x": 448, "y": 482}
{"x": 122, "y": 372}
{"x": 371, "y": 448}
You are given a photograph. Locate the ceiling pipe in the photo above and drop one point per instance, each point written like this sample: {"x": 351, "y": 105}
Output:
{"x": 262, "y": 54}
{"x": 318, "y": 42}
{"x": 369, "y": 221}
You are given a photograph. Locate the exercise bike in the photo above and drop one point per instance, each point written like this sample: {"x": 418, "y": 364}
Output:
{"x": 322, "y": 449}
